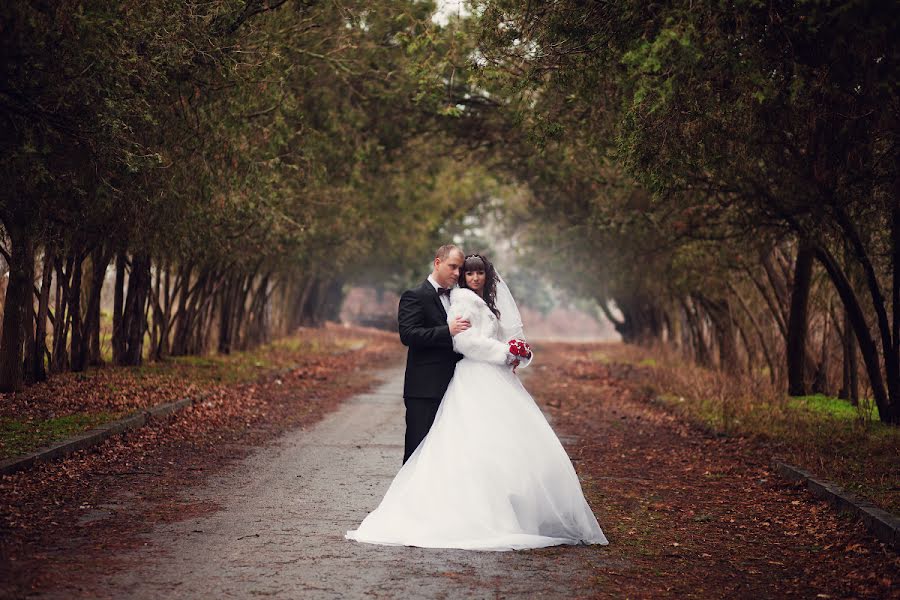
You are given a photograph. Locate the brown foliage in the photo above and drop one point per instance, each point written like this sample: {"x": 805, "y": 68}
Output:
{"x": 689, "y": 513}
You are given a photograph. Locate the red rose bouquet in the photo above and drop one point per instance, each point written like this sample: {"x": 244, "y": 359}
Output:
{"x": 519, "y": 348}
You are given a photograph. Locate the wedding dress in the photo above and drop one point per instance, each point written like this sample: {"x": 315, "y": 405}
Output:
{"x": 491, "y": 473}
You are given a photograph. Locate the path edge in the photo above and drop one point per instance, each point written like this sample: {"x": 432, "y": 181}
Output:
{"x": 884, "y": 525}
{"x": 94, "y": 436}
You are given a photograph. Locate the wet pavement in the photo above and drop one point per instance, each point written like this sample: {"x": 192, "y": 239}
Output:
{"x": 285, "y": 509}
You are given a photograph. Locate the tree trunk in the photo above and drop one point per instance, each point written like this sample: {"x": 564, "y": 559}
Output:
{"x": 863, "y": 336}
{"x": 771, "y": 303}
{"x": 307, "y": 300}
{"x": 167, "y": 301}
{"x": 820, "y": 380}
{"x": 118, "y": 335}
{"x": 17, "y": 312}
{"x": 100, "y": 262}
{"x": 332, "y": 295}
{"x": 244, "y": 317}
{"x": 703, "y": 352}
{"x": 38, "y": 370}
{"x": 186, "y": 315}
{"x": 850, "y": 380}
{"x": 77, "y": 354}
{"x": 798, "y": 321}
{"x": 226, "y": 316}
{"x": 759, "y": 333}
{"x": 200, "y": 333}
{"x": 894, "y": 388}
{"x": 618, "y": 325}
{"x": 256, "y": 331}
{"x": 779, "y": 286}
{"x": 158, "y": 340}
{"x": 312, "y": 302}
{"x": 891, "y": 411}
{"x": 134, "y": 322}
{"x": 720, "y": 314}
{"x": 30, "y": 320}
{"x": 60, "y": 361}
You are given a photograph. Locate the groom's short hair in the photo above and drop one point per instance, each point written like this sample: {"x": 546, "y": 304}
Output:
{"x": 444, "y": 251}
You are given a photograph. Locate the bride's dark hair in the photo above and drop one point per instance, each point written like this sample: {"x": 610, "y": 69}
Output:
{"x": 477, "y": 262}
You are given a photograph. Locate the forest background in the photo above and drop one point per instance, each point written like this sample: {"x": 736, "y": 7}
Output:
{"x": 720, "y": 183}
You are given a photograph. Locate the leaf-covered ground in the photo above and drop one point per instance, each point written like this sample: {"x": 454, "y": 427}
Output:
{"x": 66, "y": 519}
{"x": 690, "y": 514}
{"x": 72, "y": 402}
{"x": 827, "y": 436}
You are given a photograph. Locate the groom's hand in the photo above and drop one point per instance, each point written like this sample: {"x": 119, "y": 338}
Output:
{"x": 459, "y": 325}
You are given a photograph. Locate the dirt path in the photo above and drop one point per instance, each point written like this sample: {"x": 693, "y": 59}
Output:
{"x": 284, "y": 510}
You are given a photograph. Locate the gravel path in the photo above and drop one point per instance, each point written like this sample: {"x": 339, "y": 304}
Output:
{"x": 286, "y": 508}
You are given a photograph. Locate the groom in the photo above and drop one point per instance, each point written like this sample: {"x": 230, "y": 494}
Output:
{"x": 430, "y": 361}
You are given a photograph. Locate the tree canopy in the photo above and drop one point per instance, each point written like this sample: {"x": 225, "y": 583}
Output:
{"x": 722, "y": 179}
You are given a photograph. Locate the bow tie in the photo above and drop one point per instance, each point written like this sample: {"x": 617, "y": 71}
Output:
{"x": 444, "y": 291}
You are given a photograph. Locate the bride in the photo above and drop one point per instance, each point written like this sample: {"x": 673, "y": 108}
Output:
{"x": 490, "y": 474}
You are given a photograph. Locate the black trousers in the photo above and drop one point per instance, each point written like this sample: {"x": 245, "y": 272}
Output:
{"x": 420, "y": 413}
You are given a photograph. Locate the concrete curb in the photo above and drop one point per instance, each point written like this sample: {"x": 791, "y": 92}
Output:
{"x": 92, "y": 437}
{"x": 884, "y": 525}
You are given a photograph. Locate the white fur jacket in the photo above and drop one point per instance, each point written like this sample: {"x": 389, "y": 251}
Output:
{"x": 482, "y": 341}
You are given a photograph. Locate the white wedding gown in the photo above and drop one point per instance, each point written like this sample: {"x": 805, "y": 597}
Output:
{"x": 491, "y": 474}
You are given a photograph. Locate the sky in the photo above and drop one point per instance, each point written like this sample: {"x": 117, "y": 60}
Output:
{"x": 448, "y": 7}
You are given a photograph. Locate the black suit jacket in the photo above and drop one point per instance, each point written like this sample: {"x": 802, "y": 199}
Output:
{"x": 430, "y": 361}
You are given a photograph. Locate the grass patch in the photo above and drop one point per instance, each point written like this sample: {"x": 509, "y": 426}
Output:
{"x": 21, "y": 436}
{"x": 702, "y": 411}
{"x": 604, "y": 358}
{"x": 245, "y": 366}
{"x": 835, "y": 408}
{"x": 600, "y": 357}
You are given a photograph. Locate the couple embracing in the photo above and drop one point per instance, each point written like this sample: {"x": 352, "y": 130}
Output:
{"x": 482, "y": 469}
